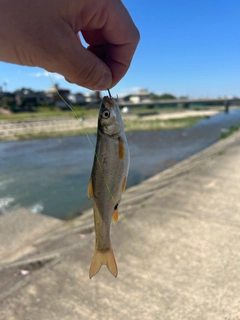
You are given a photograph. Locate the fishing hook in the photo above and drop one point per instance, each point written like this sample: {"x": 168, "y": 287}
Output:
{"x": 110, "y": 96}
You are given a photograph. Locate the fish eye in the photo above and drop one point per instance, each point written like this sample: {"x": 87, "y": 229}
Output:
{"x": 106, "y": 114}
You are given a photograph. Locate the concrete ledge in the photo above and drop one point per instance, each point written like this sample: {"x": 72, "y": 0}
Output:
{"x": 180, "y": 261}
{"x": 19, "y": 229}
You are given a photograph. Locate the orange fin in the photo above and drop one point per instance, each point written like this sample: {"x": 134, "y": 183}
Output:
{"x": 90, "y": 189}
{"x": 103, "y": 257}
{"x": 124, "y": 184}
{"x": 120, "y": 148}
{"x": 115, "y": 216}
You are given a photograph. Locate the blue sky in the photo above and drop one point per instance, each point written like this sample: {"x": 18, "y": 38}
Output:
{"x": 187, "y": 47}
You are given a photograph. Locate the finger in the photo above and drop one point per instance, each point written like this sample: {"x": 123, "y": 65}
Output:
{"x": 117, "y": 58}
{"x": 79, "y": 65}
{"x": 116, "y": 42}
{"x": 123, "y": 41}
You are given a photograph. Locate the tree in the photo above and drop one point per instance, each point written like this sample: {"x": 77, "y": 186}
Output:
{"x": 24, "y": 91}
{"x": 8, "y": 102}
{"x": 167, "y": 96}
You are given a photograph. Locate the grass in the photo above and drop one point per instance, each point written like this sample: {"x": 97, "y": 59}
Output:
{"x": 82, "y": 112}
{"x": 143, "y": 124}
{"x": 139, "y": 110}
{"x": 50, "y": 113}
{"x": 221, "y": 152}
{"x": 230, "y": 131}
{"x": 55, "y": 134}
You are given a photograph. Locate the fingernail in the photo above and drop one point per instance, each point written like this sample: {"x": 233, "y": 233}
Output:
{"x": 105, "y": 82}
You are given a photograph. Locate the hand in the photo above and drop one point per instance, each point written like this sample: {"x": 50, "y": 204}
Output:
{"x": 44, "y": 33}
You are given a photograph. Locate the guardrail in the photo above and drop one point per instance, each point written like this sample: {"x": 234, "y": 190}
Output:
{"x": 183, "y": 102}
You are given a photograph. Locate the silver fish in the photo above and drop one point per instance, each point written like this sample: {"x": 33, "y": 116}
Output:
{"x": 108, "y": 181}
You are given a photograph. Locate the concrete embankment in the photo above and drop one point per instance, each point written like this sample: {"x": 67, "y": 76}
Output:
{"x": 183, "y": 262}
{"x": 15, "y": 129}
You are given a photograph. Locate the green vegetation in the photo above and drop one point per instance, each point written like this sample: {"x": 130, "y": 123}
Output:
{"x": 82, "y": 112}
{"x": 221, "y": 152}
{"x": 8, "y": 103}
{"x": 45, "y": 135}
{"x": 50, "y": 112}
{"x": 143, "y": 110}
{"x": 165, "y": 96}
{"x": 157, "y": 124}
{"x": 230, "y": 131}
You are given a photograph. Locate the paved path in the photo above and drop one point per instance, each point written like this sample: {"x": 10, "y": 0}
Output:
{"x": 187, "y": 224}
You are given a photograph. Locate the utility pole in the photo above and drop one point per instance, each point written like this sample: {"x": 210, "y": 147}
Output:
{"x": 5, "y": 85}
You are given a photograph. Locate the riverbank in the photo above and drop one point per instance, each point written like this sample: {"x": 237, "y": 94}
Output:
{"x": 185, "y": 220}
{"x": 11, "y": 130}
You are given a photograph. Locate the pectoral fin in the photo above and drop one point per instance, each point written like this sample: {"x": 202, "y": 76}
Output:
{"x": 90, "y": 188}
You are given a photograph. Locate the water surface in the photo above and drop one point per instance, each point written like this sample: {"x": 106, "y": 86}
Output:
{"x": 50, "y": 176}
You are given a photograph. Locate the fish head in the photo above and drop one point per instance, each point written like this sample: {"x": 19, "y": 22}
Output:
{"x": 109, "y": 117}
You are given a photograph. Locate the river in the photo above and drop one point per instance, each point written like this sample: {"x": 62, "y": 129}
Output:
{"x": 50, "y": 176}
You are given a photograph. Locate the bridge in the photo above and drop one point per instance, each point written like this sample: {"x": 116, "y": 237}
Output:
{"x": 183, "y": 102}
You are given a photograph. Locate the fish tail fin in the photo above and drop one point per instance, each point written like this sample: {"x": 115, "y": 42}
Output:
{"x": 101, "y": 257}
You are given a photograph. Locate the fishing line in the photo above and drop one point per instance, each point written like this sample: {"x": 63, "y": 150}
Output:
{"x": 75, "y": 114}
{"x": 86, "y": 133}
{"x": 140, "y": 253}
{"x": 110, "y": 96}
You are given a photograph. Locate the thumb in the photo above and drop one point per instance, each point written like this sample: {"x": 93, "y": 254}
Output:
{"x": 82, "y": 67}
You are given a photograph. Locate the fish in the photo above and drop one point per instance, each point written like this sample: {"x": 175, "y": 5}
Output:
{"x": 107, "y": 181}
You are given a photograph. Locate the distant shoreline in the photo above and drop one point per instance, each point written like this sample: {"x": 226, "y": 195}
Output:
{"x": 12, "y": 130}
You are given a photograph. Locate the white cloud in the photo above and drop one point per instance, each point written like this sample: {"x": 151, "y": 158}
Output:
{"x": 53, "y": 75}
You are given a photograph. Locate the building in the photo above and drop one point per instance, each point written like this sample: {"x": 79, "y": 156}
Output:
{"x": 94, "y": 97}
{"x": 140, "y": 96}
{"x": 58, "y": 96}
{"x": 77, "y": 98}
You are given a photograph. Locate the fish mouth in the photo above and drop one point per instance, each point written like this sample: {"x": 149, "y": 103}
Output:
{"x": 109, "y": 101}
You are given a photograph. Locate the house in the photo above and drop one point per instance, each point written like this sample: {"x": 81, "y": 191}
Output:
{"x": 93, "y": 98}
{"x": 77, "y": 98}
{"x": 57, "y": 96}
{"x": 141, "y": 95}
